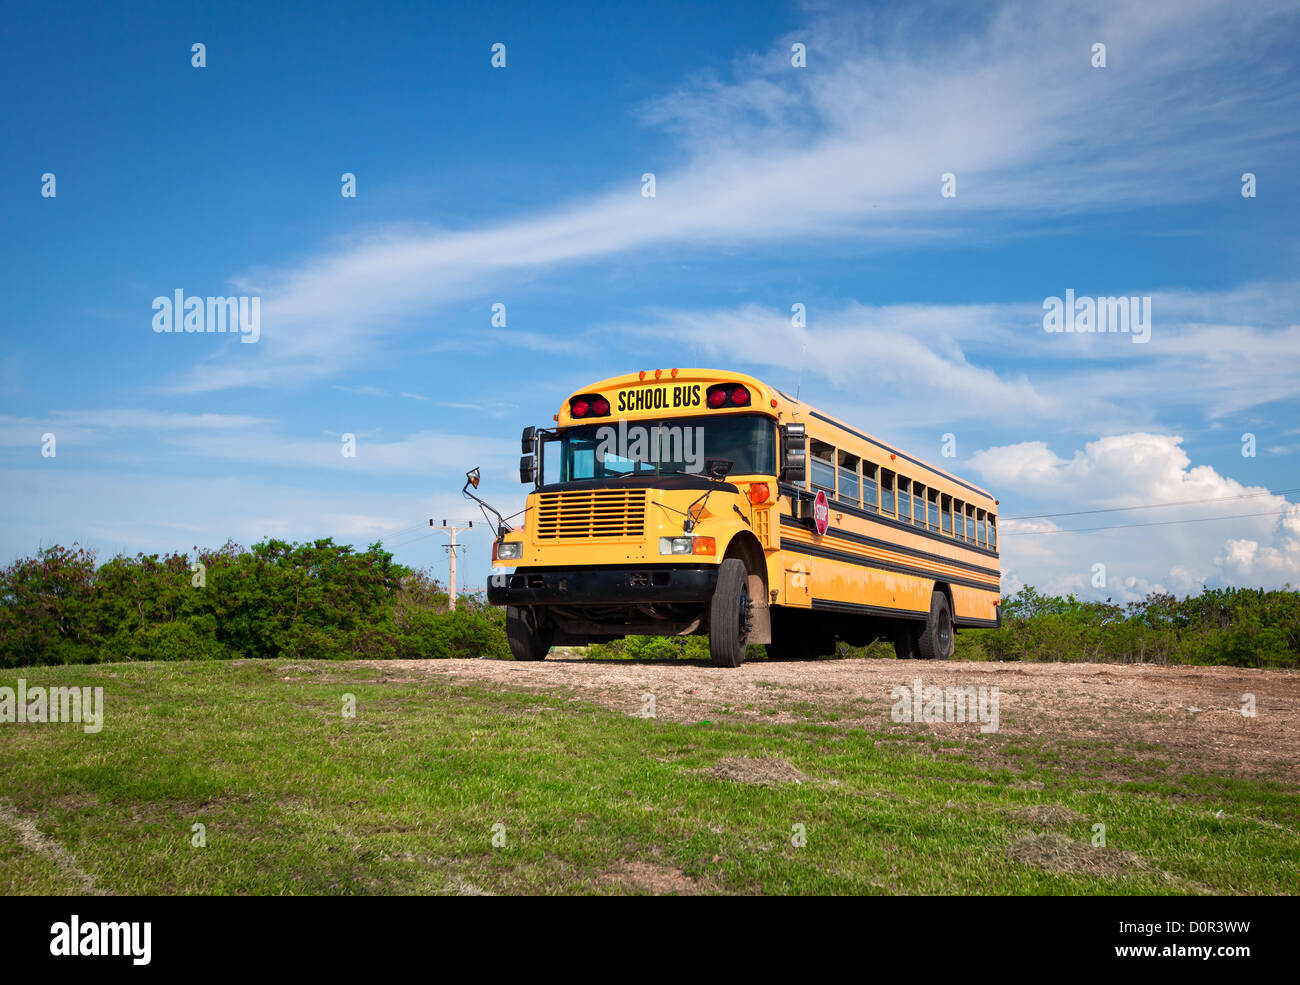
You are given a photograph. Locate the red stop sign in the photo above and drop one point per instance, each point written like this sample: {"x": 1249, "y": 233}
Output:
{"x": 821, "y": 512}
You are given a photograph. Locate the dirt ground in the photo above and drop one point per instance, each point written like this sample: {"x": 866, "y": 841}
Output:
{"x": 1184, "y": 718}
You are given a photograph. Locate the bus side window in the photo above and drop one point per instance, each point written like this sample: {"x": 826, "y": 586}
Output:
{"x": 918, "y": 505}
{"x": 870, "y": 491}
{"x": 904, "y": 499}
{"x": 970, "y": 523}
{"x": 945, "y": 514}
{"x": 848, "y": 476}
{"x": 932, "y": 509}
{"x": 887, "y": 479}
{"x": 981, "y": 531}
{"x": 821, "y": 467}
{"x": 993, "y": 532}
{"x": 959, "y": 525}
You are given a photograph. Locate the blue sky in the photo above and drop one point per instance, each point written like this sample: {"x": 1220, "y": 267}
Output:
{"x": 775, "y": 186}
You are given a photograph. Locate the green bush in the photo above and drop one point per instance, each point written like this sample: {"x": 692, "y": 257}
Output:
{"x": 318, "y": 600}
{"x": 1241, "y": 627}
{"x": 661, "y": 648}
{"x": 182, "y": 639}
{"x": 322, "y": 600}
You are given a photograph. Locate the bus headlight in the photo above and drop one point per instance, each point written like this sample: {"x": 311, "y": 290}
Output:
{"x": 510, "y": 550}
{"x": 687, "y": 545}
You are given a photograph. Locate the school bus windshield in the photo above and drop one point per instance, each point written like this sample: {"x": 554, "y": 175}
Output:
{"x": 660, "y": 447}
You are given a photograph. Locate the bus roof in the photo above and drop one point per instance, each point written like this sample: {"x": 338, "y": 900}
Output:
{"x": 622, "y": 394}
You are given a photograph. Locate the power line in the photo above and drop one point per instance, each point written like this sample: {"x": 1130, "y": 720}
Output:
{"x": 1154, "y": 506}
{"x": 1125, "y": 526}
{"x": 405, "y": 543}
{"x": 403, "y": 532}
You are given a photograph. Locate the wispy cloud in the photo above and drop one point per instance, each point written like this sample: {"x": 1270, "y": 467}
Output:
{"x": 364, "y": 391}
{"x": 145, "y": 511}
{"x": 74, "y": 426}
{"x": 854, "y": 145}
{"x": 947, "y": 364}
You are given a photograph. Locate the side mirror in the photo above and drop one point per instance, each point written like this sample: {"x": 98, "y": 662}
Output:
{"x": 471, "y": 477}
{"x": 527, "y": 469}
{"x": 526, "y": 442}
{"x": 794, "y": 443}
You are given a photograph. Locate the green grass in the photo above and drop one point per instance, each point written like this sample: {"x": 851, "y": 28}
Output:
{"x": 403, "y": 798}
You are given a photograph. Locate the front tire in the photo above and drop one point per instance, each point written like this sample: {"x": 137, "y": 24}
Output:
{"x": 729, "y": 615}
{"x": 937, "y": 641}
{"x": 526, "y": 641}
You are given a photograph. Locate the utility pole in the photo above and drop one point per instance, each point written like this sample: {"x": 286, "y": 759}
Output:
{"x": 452, "y": 530}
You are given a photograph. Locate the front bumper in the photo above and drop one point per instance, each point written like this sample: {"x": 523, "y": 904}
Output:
{"x": 607, "y": 585}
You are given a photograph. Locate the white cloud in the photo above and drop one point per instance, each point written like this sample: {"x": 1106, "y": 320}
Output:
{"x": 975, "y": 364}
{"x": 124, "y": 438}
{"x": 422, "y": 453}
{"x": 1255, "y": 546}
{"x": 854, "y": 147}
{"x": 82, "y": 426}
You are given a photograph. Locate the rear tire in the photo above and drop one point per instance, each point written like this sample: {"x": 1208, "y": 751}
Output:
{"x": 937, "y": 641}
{"x": 729, "y": 615}
{"x": 526, "y": 641}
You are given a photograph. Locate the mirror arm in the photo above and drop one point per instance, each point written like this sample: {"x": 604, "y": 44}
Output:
{"x": 502, "y": 528}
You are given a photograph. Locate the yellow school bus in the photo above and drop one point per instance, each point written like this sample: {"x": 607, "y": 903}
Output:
{"x": 700, "y": 501}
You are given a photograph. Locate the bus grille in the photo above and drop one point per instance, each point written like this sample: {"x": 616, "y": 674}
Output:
{"x": 612, "y": 513}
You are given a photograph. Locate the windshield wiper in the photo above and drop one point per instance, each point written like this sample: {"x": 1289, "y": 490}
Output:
{"x": 715, "y": 469}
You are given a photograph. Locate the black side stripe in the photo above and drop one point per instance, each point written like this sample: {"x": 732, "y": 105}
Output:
{"x": 898, "y": 569}
{"x": 895, "y": 451}
{"x": 858, "y": 609}
{"x": 786, "y": 489}
{"x": 788, "y": 521}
